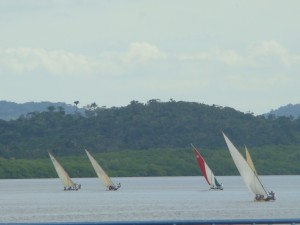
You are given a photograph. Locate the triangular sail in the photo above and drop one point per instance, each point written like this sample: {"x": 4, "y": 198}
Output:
{"x": 62, "y": 174}
{"x": 107, "y": 182}
{"x": 250, "y": 178}
{"x": 249, "y": 160}
{"x": 206, "y": 171}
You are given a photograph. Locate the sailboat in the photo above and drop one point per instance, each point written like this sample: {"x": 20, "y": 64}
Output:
{"x": 107, "y": 182}
{"x": 207, "y": 172}
{"x": 249, "y": 175}
{"x": 68, "y": 184}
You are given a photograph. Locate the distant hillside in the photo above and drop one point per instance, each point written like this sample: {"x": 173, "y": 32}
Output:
{"x": 288, "y": 110}
{"x": 139, "y": 126}
{"x": 11, "y": 110}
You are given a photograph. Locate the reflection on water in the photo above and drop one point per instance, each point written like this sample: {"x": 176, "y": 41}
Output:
{"x": 144, "y": 199}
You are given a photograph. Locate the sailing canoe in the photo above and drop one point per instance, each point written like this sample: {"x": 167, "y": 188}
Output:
{"x": 102, "y": 175}
{"x": 250, "y": 178}
{"x": 207, "y": 172}
{"x": 68, "y": 184}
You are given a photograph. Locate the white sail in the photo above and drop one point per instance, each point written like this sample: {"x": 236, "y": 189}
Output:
{"x": 210, "y": 175}
{"x": 62, "y": 174}
{"x": 249, "y": 160}
{"x": 107, "y": 182}
{"x": 250, "y": 178}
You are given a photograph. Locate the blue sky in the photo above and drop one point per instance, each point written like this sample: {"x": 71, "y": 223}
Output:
{"x": 241, "y": 54}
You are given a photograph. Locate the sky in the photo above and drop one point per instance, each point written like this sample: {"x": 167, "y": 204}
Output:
{"x": 237, "y": 53}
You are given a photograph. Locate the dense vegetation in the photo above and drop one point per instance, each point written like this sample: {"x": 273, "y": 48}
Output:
{"x": 145, "y": 140}
{"x": 156, "y": 162}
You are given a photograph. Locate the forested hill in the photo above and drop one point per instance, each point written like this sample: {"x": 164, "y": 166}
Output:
{"x": 138, "y": 126}
{"x": 289, "y": 110}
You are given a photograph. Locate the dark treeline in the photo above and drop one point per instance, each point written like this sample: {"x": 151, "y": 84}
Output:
{"x": 139, "y": 126}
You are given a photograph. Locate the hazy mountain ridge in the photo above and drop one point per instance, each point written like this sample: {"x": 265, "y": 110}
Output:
{"x": 287, "y": 111}
{"x": 12, "y": 110}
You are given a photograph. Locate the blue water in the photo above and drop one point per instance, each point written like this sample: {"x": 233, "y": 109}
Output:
{"x": 144, "y": 199}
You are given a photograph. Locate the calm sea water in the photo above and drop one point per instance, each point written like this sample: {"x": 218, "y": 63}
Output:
{"x": 145, "y": 199}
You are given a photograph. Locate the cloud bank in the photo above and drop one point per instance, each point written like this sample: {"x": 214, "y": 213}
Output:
{"x": 139, "y": 54}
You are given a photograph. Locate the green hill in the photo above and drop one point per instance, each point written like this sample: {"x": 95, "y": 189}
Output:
{"x": 146, "y": 139}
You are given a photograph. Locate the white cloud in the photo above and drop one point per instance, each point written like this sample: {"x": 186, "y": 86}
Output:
{"x": 270, "y": 52}
{"x": 264, "y": 54}
{"x": 24, "y": 60}
{"x": 228, "y": 57}
{"x": 142, "y": 52}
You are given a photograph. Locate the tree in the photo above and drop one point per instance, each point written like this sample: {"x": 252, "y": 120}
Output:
{"x": 51, "y": 108}
{"x": 90, "y": 110}
{"x": 94, "y": 106}
{"x": 76, "y": 103}
{"x": 61, "y": 110}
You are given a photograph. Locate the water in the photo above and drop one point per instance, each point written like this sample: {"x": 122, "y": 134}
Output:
{"x": 145, "y": 199}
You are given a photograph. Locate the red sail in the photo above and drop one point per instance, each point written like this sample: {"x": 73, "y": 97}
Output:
{"x": 201, "y": 164}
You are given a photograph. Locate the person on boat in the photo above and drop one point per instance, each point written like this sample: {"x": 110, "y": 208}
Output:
{"x": 77, "y": 187}
{"x": 220, "y": 186}
{"x": 119, "y": 185}
{"x": 111, "y": 188}
{"x": 271, "y": 196}
{"x": 259, "y": 197}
